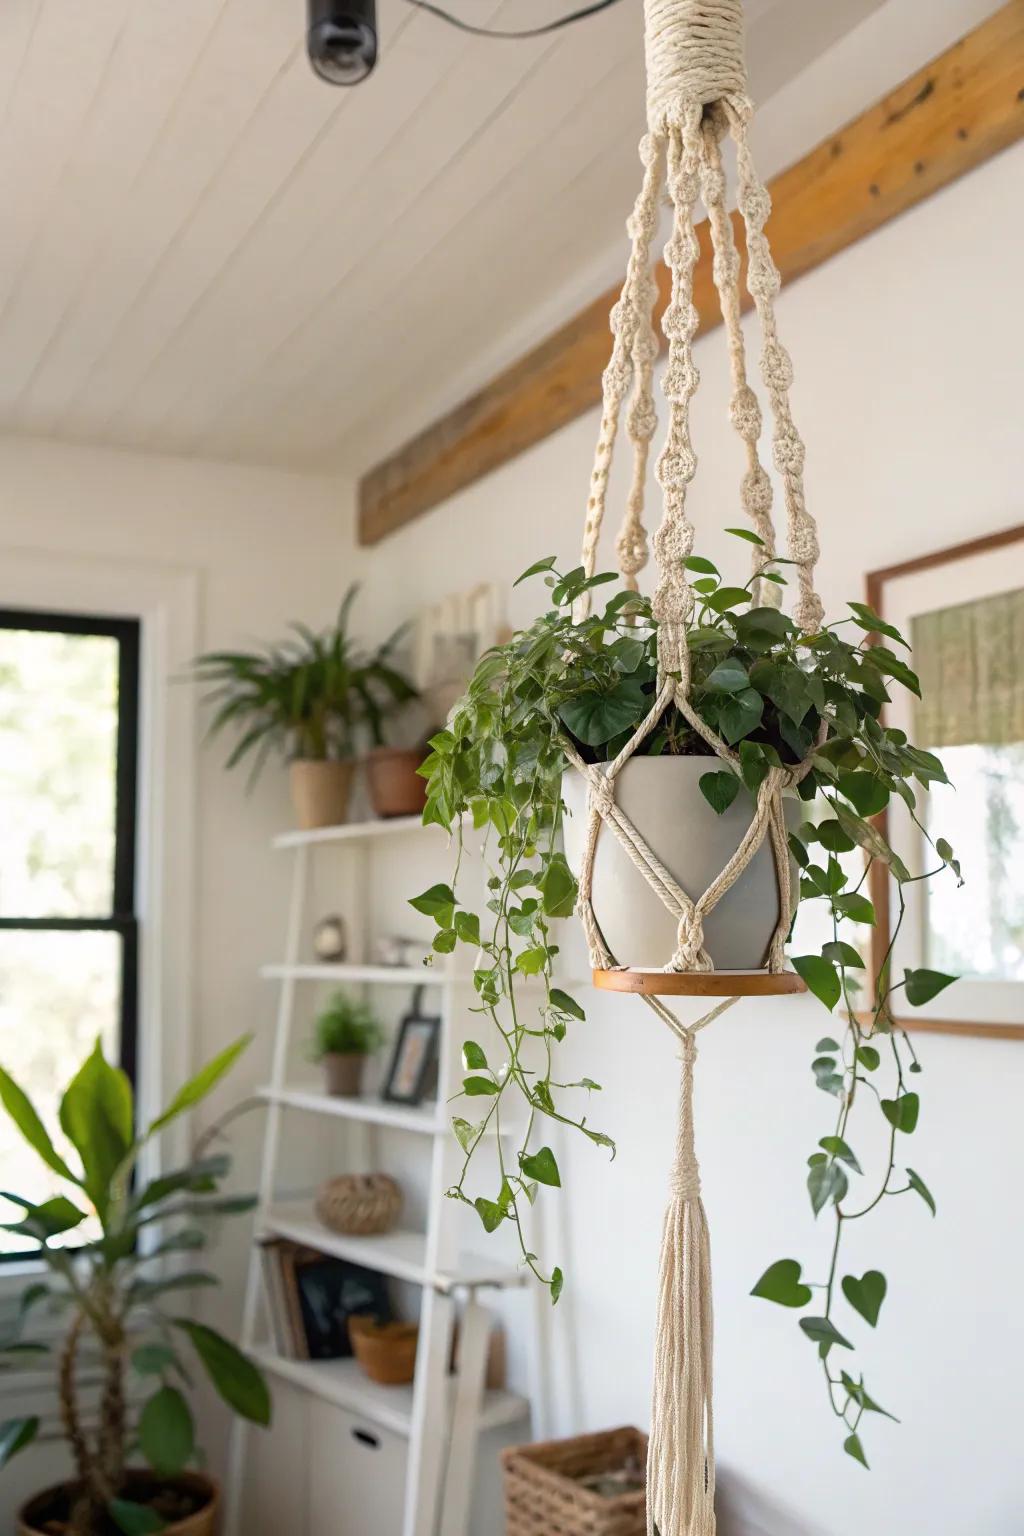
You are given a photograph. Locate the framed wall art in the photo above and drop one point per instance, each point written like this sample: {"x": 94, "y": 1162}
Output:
{"x": 962, "y": 610}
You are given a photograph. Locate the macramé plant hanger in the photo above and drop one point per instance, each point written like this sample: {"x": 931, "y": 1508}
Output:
{"x": 594, "y": 728}
{"x": 696, "y": 97}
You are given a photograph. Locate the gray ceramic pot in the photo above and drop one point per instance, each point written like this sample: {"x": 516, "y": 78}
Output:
{"x": 662, "y": 798}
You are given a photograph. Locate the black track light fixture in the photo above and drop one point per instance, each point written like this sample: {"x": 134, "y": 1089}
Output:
{"x": 342, "y": 39}
{"x": 342, "y": 36}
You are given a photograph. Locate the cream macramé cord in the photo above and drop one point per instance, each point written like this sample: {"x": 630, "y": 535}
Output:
{"x": 681, "y": 1448}
{"x": 697, "y": 91}
{"x": 745, "y": 411}
{"x": 763, "y": 283}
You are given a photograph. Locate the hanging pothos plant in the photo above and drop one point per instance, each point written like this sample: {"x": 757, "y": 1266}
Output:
{"x": 771, "y": 692}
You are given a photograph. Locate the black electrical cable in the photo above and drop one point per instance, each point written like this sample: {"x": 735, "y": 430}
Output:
{"x": 551, "y": 26}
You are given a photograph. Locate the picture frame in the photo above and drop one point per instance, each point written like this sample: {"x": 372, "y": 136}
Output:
{"x": 900, "y": 594}
{"x": 413, "y": 1065}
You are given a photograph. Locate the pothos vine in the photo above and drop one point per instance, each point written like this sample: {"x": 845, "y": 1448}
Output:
{"x": 778, "y": 696}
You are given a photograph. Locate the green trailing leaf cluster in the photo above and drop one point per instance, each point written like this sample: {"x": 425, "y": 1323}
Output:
{"x": 313, "y": 696}
{"x": 778, "y": 696}
{"x": 123, "y": 1290}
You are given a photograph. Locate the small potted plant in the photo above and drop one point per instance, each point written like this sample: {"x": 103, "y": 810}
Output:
{"x": 118, "y": 1292}
{"x": 346, "y": 1032}
{"x": 397, "y": 788}
{"x": 313, "y": 699}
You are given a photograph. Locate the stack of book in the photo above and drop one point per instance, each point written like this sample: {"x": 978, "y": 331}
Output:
{"x": 311, "y": 1296}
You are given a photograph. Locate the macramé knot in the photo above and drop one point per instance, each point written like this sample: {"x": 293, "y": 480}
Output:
{"x": 689, "y": 955}
{"x": 602, "y": 793}
{"x": 694, "y": 57}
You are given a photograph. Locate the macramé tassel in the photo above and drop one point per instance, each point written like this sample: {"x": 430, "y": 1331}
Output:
{"x": 681, "y": 1457}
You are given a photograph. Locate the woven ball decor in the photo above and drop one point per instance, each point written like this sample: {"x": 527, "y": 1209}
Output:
{"x": 359, "y": 1204}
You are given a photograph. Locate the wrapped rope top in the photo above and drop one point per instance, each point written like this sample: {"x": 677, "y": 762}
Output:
{"x": 695, "y": 57}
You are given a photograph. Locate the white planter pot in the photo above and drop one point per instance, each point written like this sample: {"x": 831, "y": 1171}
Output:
{"x": 661, "y": 797}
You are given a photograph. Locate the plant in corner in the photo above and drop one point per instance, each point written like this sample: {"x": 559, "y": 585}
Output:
{"x": 120, "y": 1294}
{"x": 312, "y": 698}
{"x": 345, "y": 1033}
{"x": 578, "y": 689}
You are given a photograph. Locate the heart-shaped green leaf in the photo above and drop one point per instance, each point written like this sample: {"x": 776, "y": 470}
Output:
{"x": 542, "y": 1167}
{"x": 824, "y": 1333}
{"x": 826, "y": 1181}
{"x": 866, "y": 1294}
{"x": 821, "y": 977}
{"x": 902, "y": 1113}
{"x": 439, "y": 903}
{"x": 740, "y": 715}
{"x": 922, "y": 986}
{"x": 853, "y": 1447}
{"x": 865, "y": 793}
{"x": 918, "y": 1184}
{"x": 835, "y": 1146}
{"x": 490, "y": 1213}
{"x": 781, "y": 1283}
{"x": 479, "y": 1087}
{"x": 719, "y": 790}
{"x": 730, "y": 676}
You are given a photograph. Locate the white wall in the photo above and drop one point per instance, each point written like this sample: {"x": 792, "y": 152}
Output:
{"x": 907, "y": 352}
{"x": 265, "y": 548}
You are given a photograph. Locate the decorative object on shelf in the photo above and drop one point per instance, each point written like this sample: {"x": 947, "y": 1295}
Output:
{"x": 359, "y": 1204}
{"x": 413, "y": 1066}
{"x": 107, "y": 1305}
{"x": 311, "y": 1296}
{"x": 345, "y": 1034}
{"x": 591, "y": 1485}
{"x": 393, "y": 950}
{"x": 313, "y": 699}
{"x": 449, "y": 638}
{"x": 776, "y": 706}
{"x": 386, "y": 1351}
{"x": 397, "y": 787}
{"x": 330, "y": 940}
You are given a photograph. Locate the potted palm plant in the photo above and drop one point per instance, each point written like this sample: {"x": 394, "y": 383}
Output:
{"x": 314, "y": 699}
{"x": 346, "y": 1032}
{"x": 118, "y": 1289}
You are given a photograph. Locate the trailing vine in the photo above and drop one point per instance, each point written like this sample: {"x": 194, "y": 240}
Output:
{"x": 778, "y": 696}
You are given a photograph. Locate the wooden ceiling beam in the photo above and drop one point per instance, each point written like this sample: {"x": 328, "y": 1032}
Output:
{"x": 960, "y": 110}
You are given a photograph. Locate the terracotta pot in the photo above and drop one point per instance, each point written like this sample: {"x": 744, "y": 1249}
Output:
{"x": 662, "y": 798}
{"x": 139, "y": 1485}
{"x": 396, "y": 789}
{"x": 386, "y": 1351}
{"x": 320, "y": 792}
{"x": 343, "y": 1071}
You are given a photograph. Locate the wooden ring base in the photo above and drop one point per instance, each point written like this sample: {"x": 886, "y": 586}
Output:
{"x": 701, "y": 983}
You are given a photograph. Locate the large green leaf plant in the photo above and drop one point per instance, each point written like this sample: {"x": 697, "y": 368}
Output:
{"x": 312, "y": 697}
{"x": 123, "y": 1291}
{"x": 776, "y": 695}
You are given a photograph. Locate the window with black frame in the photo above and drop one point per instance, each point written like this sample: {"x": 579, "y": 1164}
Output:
{"x": 68, "y": 929}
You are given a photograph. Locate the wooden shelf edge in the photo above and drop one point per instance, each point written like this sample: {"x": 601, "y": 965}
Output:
{"x": 349, "y": 831}
{"x": 700, "y": 983}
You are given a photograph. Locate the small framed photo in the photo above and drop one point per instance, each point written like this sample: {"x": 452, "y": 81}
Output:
{"x": 413, "y": 1067}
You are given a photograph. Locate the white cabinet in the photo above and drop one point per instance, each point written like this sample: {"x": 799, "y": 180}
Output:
{"x": 356, "y": 1476}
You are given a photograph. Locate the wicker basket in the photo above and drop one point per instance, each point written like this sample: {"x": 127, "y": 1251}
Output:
{"x": 544, "y": 1495}
{"x": 359, "y": 1205}
{"x": 386, "y": 1351}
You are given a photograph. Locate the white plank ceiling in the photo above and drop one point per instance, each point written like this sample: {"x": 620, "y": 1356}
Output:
{"x": 206, "y": 250}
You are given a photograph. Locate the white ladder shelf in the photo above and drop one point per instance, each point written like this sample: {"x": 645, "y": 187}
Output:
{"x": 440, "y": 1416}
